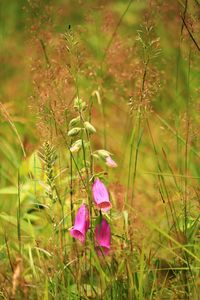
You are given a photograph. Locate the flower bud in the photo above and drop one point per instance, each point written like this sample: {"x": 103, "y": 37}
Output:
{"x": 110, "y": 162}
{"x": 76, "y": 146}
{"x": 89, "y": 127}
{"x": 74, "y": 131}
{"x": 74, "y": 122}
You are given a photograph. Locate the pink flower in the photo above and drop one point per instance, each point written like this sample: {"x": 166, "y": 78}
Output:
{"x": 102, "y": 237}
{"x": 110, "y": 162}
{"x": 82, "y": 223}
{"x": 74, "y": 148}
{"x": 100, "y": 194}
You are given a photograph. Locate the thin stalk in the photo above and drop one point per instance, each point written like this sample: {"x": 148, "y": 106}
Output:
{"x": 71, "y": 191}
{"x": 130, "y": 162}
{"x": 185, "y": 275}
{"x": 19, "y": 215}
{"x": 8, "y": 252}
{"x": 140, "y": 133}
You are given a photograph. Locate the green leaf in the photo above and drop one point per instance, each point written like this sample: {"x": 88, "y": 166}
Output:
{"x": 10, "y": 190}
{"x": 35, "y": 165}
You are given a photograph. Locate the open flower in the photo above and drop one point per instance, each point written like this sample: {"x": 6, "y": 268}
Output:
{"x": 110, "y": 162}
{"x": 82, "y": 223}
{"x": 101, "y": 196}
{"x": 102, "y": 237}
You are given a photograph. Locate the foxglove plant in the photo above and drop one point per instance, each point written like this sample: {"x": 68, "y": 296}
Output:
{"x": 82, "y": 223}
{"x": 102, "y": 237}
{"x": 110, "y": 162}
{"x": 106, "y": 157}
{"x": 101, "y": 196}
{"x": 80, "y": 131}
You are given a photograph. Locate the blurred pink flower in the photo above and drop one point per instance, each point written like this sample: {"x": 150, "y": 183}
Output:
{"x": 82, "y": 223}
{"x": 100, "y": 194}
{"x": 110, "y": 162}
{"x": 74, "y": 148}
{"x": 102, "y": 237}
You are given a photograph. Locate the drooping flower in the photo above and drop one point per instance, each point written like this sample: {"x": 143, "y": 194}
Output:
{"x": 101, "y": 196}
{"x": 76, "y": 146}
{"x": 82, "y": 223}
{"x": 102, "y": 237}
{"x": 110, "y": 162}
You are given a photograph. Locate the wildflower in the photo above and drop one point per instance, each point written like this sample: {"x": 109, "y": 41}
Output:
{"x": 101, "y": 197}
{"x": 102, "y": 237}
{"x": 74, "y": 148}
{"x": 110, "y": 162}
{"x": 77, "y": 145}
{"x": 82, "y": 223}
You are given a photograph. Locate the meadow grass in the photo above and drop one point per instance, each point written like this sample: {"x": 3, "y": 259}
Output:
{"x": 91, "y": 85}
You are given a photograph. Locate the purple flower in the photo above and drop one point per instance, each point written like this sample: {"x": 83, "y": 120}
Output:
{"x": 102, "y": 237}
{"x": 110, "y": 162}
{"x": 100, "y": 194}
{"x": 82, "y": 223}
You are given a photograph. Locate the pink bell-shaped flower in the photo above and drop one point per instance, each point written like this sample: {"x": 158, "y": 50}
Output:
{"x": 110, "y": 162}
{"x": 102, "y": 237}
{"x": 100, "y": 195}
{"x": 82, "y": 223}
